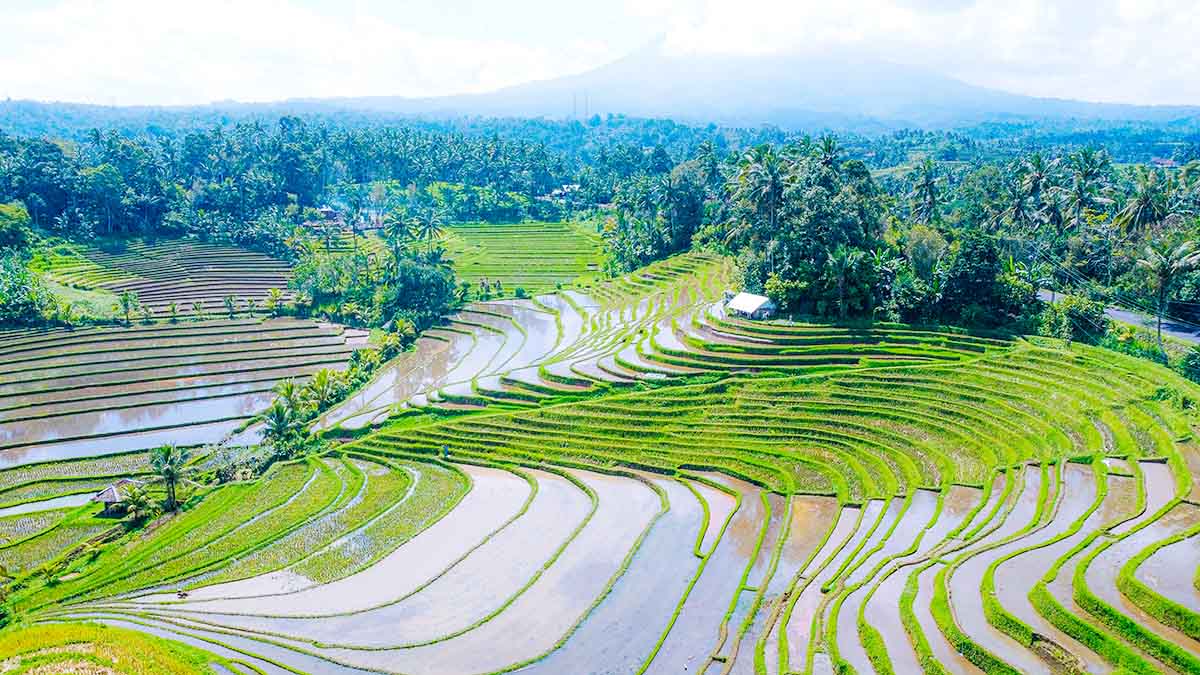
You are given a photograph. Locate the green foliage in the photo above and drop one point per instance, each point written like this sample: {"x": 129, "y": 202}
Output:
{"x": 14, "y": 226}
{"x": 24, "y": 299}
{"x": 1073, "y": 317}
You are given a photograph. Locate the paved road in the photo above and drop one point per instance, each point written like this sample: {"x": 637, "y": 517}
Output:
{"x": 1179, "y": 331}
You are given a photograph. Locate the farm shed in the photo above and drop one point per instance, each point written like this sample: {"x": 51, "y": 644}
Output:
{"x": 115, "y": 493}
{"x": 751, "y": 306}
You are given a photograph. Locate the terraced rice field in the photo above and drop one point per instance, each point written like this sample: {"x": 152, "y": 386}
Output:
{"x": 535, "y": 256}
{"x": 663, "y": 322}
{"x": 629, "y": 481}
{"x": 87, "y": 392}
{"x": 171, "y": 271}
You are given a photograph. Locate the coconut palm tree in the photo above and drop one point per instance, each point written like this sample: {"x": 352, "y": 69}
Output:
{"x": 397, "y": 231}
{"x": 758, "y": 185}
{"x": 926, "y": 194}
{"x": 429, "y": 226}
{"x": 289, "y": 392}
{"x": 1036, "y": 176}
{"x": 169, "y": 462}
{"x": 281, "y": 421}
{"x": 1016, "y": 203}
{"x": 322, "y": 388}
{"x": 1148, "y": 201}
{"x": 828, "y": 150}
{"x": 1165, "y": 265}
{"x": 842, "y": 262}
{"x": 138, "y": 504}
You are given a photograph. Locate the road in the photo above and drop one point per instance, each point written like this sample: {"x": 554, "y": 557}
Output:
{"x": 1180, "y": 331}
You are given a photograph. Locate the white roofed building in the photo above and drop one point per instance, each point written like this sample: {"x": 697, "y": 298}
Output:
{"x": 751, "y": 306}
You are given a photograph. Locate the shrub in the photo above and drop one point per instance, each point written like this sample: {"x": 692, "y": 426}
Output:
{"x": 23, "y": 297}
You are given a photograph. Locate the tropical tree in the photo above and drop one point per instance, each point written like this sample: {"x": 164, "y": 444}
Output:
{"x": 1165, "y": 265}
{"x": 828, "y": 151}
{"x": 1036, "y": 176}
{"x": 397, "y": 231}
{"x": 1147, "y": 203}
{"x": 138, "y": 504}
{"x": 842, "y": 262}
{"x": 428, "y": 226}
{"x": 323, "y": 388}
{"x": 926, "y": 194}
{"x": 281, "y": 421}
{"x": 173, "y": 311}
{"x": 198, "y": 310}
{"x": 290, "y": 393}
{"x": 758, "y": 185}
{"x": 128, "y": 304}
{"x": 230, "y": 305}
{"x": 169, "y": 462}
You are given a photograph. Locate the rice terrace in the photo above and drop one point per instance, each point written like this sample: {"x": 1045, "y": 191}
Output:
{"x": 713, "y": 375}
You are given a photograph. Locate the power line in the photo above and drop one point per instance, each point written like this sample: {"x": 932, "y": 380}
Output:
{"x": 1121, "y": 300}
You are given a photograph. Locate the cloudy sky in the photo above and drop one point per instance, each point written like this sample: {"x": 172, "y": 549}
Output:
{"x": 178, "y": 52}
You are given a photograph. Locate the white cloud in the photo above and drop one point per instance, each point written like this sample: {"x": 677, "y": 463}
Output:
{"x": 1140, "y": 51}
{"x": 183, "y": 51}
{"x": 169, "y": 52}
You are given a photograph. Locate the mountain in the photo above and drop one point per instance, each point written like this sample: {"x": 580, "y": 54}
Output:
{"x": 841, "y": 91}
{"x": 835, "y": 91}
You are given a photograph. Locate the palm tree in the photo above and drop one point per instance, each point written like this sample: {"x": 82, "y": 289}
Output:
{"x": 437, "y": 258}
{"x": 710, "y": 163}
{"x": 841, "y": 263}
{"x": 397, "y": 231}
{"x": 758, "y": 184}
{"x": 1148, "y": 202}
{"x": 289, "y": 392}
{"x": 138, "y": 505}
{"x": 173, "y": 311}
{"x": 1016, "y": 201}
{"x": 322, "y": 388}
{"x": 230, "y": 305}
{"x": 170, "y": 463}
{"x": 926, "y": 194}
{"x": 828, "y": 150}
{"x": 1087, "y": 168}
{"x": 128, "y": 303}
{"x": 1165, "y": 265}
{"x": 1036, "y": 176}
{"x": 429, "y": 226}
{"x": 281, "y": 421}
{"x": 198, "y": 310}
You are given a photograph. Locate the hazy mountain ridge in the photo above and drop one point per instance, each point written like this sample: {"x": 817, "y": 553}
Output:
{"x": 836, "y": 92}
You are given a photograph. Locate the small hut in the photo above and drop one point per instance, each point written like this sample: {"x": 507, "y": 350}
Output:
{"x": 114, "y": 495}
{"x": 751, "y": 306}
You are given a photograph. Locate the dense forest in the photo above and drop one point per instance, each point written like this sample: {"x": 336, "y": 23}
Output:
{"x": 917, "y": 226}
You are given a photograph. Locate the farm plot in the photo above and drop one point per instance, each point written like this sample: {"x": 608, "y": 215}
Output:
{"x": 536, "y": 256}
{"x": 659, "y": 323}
{"x": 182, "y": 272}
{"x": 993, "y": 506}
{"x": 66, "y": 394}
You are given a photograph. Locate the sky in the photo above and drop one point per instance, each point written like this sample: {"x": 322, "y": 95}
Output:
{"x": 171, "y": 52}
